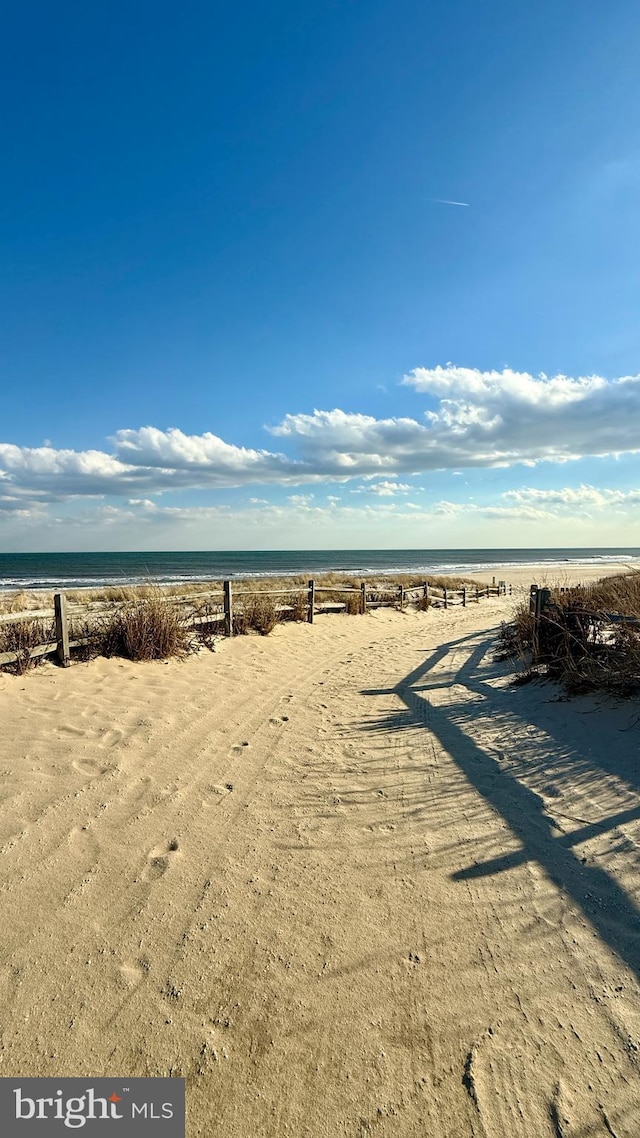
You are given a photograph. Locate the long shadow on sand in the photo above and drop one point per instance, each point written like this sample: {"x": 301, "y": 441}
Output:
{"x": 602, "y": 900}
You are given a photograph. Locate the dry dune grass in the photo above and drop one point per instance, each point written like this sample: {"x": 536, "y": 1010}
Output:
{"x": 23, "y": 600}
{"x": 578, "y": 643}
{"x": 149, "y": 622}
{"x": 619, "y": 593}
{"x": 20, "y": 637}
{"x": 258, "y": 613}
{"x": 148, "y": 629}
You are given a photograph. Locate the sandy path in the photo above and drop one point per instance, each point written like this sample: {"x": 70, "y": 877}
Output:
{"x": 344, "y": 879}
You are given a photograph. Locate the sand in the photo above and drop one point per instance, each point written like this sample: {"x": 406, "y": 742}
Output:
{"x": 550, "y": 575}
{"x": 345, "y": 879}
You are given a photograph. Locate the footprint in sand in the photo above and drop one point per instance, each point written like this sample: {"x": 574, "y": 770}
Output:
{"x": 89, "y": 767}
{"x": 133, "y": 972}
{"x": 159, "y": 859}
{"x": 214, "y": 793}
{"x": 69, "y": 729}
{"x": 278, "y": 722}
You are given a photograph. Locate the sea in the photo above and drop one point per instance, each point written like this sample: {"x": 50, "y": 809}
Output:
{"x": 94, "y": 570}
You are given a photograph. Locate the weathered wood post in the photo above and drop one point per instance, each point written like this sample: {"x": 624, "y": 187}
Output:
{"x": 228, "y": 608}
{"x": 534, "y": 609}
{"x": 62, "y": 628}
{"x": 542, "y": 598}
{"x": 312, "y": 601}
{"x": 363, "y": 597}
{"x": 401, "y": 594}
{"x": 445, "y": 596}
{"x": 464, "y": 596}
{"x": 426, "y": 594}
{"x": 477, "y": 594}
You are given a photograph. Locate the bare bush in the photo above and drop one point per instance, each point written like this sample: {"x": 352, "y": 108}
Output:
{"x": 148, "y": 629}
{"x": 20, "y": 637}
{"x": 353, "y": 604}
{"x": 257, "y": 613}
{"x": 300, "y": 606}
{"x": 581, "y": 639}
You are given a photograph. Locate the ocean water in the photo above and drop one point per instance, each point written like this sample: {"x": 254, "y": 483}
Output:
{"x": 91, "y": 570}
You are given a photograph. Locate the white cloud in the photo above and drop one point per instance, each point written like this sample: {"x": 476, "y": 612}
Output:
{"x": 476, "y": 419}
{"x": 526, "y": 517}
{"x": 302, "y": 500}
{"x": 384, "y": 489}
{"x": 501, "y": 417}
{"x": 575, "y": 498}
{"x": 495, "y": 418}
{"x": 173, "y": 450}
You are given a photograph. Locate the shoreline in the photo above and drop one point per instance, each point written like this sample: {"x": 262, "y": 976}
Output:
{"x": 71, "y": 572}
{"x": 518, "y": 576}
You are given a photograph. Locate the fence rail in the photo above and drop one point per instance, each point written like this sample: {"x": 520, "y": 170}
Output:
{"x": 62, "y": 615}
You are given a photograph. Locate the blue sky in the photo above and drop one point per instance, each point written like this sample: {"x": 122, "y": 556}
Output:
{"x": 238, "y": 312}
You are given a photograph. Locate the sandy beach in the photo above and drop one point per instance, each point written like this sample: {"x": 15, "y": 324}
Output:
{"x": 522, "y": 576}
{"x": 345, "y": 879}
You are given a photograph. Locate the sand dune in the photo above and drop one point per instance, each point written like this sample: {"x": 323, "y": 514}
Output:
{"x": 344, "y": 879}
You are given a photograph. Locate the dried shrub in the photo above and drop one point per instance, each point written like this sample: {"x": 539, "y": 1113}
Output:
{"x": 258, "y": 614}
{"x": 300, "y": 606}
{"x": 353, "y": 604}
{"x": 149, "y": 629}
{"x": 515, "y": 639}
{"x": 21, "y": 636}
{"x": 578, "y": 642}
{"x": 209, "y": 628}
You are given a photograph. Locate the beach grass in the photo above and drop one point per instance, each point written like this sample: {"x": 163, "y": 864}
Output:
{"x": 582, "y": 642}
{"x": 153, "y": 622}
{"x": 23, "y": 600}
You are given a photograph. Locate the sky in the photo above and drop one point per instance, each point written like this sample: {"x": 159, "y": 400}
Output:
{"x": 338, "y": 274}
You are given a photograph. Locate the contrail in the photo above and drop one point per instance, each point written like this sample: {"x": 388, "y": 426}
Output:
{"x": 445, "y": 201}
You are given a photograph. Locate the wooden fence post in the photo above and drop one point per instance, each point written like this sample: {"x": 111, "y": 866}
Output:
{"x": 62, "y": 628}
{"x": 477, "y": 594}
{"x": 464, "y": 596}
{"x": 363, "y": 597}
{"x": 426, "y": 593}
{"x": 401, "y": 587}
{"x": 542, "y": 598}
{"x": 228, "y": 608}
{"x": 312, "y": 600}
{"x": 445, "y": 596}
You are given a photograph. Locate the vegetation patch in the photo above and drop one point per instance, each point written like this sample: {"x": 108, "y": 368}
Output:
{"x": 20, "y": 637}
{"x": 149, "y": 629}
{"x": 582, "y": 638}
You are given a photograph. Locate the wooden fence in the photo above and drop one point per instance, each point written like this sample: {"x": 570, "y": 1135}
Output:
{"x": 224, "y": 604}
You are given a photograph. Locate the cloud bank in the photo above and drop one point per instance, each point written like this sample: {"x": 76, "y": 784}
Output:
{"x": 474, "y": 419}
